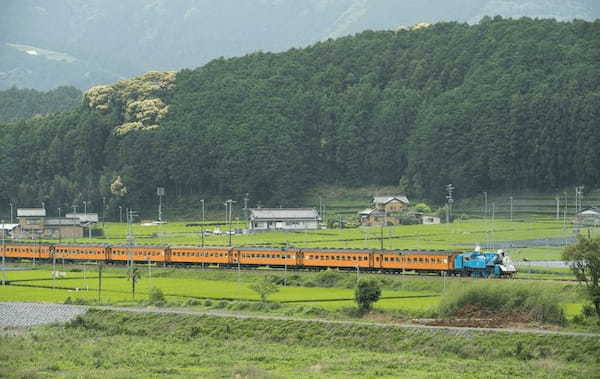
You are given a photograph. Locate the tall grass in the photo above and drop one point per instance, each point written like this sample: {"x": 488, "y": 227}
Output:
{"x": 535, "y": 302}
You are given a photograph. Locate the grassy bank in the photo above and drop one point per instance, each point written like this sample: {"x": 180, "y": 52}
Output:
{"x": 119, "y": 344}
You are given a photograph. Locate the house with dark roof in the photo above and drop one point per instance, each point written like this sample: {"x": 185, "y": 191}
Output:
{"x": 271, "y": 219}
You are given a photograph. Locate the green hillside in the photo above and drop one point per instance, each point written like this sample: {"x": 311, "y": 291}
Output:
{"x": 505, "y": 105}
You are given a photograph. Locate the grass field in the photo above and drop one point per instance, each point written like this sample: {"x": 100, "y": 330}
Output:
{"x": 120, "y": 344}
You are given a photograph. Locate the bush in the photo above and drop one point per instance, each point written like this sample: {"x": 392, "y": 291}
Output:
{"x": 534, "y": 302}
{"x": 156, "y": 296}
{"x": 367, "y": 292}
{"x": 328, "y": 278}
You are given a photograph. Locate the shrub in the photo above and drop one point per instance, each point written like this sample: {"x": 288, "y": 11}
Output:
{"x": 156, "y": 296}
{"x": 367, "y": 292}
{"x": 328, "y": 278}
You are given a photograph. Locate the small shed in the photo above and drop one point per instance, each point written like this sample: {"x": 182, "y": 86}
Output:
{"x": 269, "y": 219}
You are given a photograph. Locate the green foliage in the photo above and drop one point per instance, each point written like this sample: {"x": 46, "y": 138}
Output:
{"x": 264, "y": 287}
{"x": 521, "y": 300}
{"x": 20, "y": 104}
{"x": 367, "y": 292}
{"x": 584, "y": 260}
{"x": 422, "y": 207}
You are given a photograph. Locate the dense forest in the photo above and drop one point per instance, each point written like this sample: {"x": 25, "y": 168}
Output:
{"x": 17, "y": 104}
{"x": 504, "y": 104}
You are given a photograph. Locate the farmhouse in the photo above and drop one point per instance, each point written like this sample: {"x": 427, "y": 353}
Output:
{"x": 33, "y": 223}
{"x": 384, "y": 209}
{"x": 268, "y": 219}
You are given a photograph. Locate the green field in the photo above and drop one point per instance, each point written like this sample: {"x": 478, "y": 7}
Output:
{"x": 121, "y": 344}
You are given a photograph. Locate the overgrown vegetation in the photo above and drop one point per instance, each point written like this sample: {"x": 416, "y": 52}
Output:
{"x": 512, "y": 301}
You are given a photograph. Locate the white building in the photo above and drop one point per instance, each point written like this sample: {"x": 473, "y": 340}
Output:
{"x": 264, "y": 219}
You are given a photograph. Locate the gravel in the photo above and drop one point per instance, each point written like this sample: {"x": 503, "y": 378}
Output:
{"x": 15, "y": 315}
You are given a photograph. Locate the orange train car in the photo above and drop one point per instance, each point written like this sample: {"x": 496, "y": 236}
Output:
{"x": 416, "y": 260}
{"x": 267, "y": 257}
{"x": 80, "y": 252}
{"x": 338, "y": 258}
{"x": 208, "y": 255}
{"x": 142, "y": 253}
{"x": 27, "y": 250}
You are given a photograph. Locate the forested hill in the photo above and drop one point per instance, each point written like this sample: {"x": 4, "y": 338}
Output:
{"x": 17, "y": 104}
{"x": 505, "y": 104}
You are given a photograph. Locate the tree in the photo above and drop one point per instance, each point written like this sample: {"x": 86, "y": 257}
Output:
{"x": 367, "y": 292}
{"x": 134, "y": 276}
{"x": 584, "y": 260}
{"x": 264, "y": 288}
{"x": 422, "y": 207}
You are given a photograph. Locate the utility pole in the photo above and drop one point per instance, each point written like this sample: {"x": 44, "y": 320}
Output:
{"x": 511, "y": 208}
{"x": 578, "y": 198}
{"x": 103, "y": 208}
{"x": 557, "y": 207}
{"x": 485, "y": 207}
{"x": 246, "y": 199}
{"x": 85, "y": 207}
{"x": 3, "y": 254}
{"x": 58, "y": 212}
{"x": 202, "y": 227}
{"x": 120, "y": 214}
{"x": 11, "y": 211}
{"x": 160, "y": 191}
{"x": 382, "y": 224}
{"x": 450, "y": 199}
{"x": 130, "y": 215}
{"x": 230, "y": 203}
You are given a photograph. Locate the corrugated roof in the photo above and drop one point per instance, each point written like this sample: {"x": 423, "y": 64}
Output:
{"x": 387, "y": 199}
{"x": 8, "y": 226}
{"x": 84, "y": 217}
{"x": 284, "y": 213}
{"x": 31, "y": 212}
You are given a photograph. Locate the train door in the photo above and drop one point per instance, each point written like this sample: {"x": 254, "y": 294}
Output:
{"x": 299, "y": 258}
{"x": 232, "y": 256}
{"x": 375, "y": 260}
